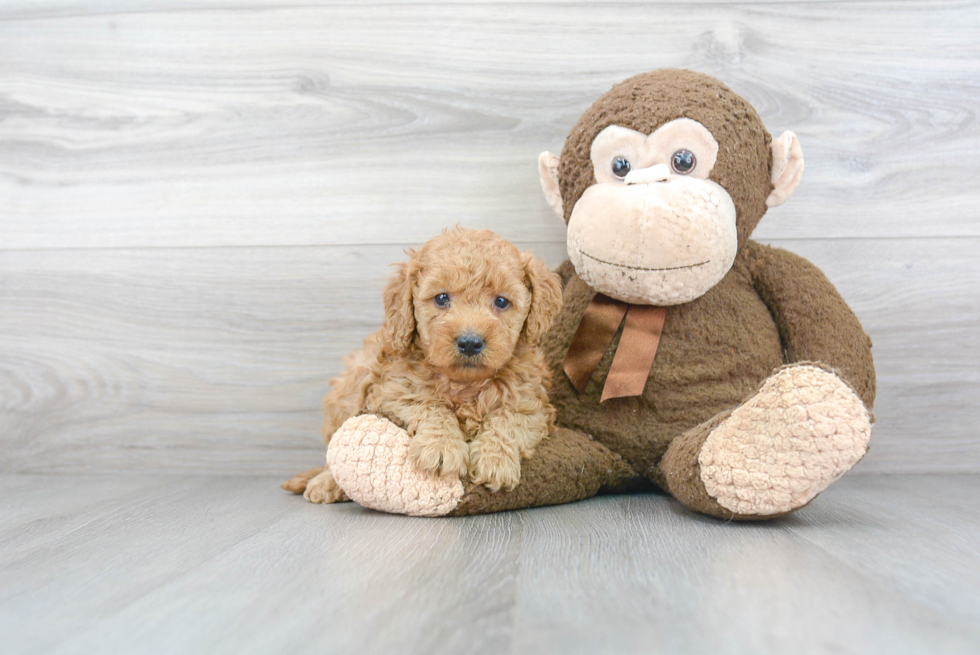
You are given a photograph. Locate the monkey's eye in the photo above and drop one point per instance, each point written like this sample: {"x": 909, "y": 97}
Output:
{"x": 620, "y": 166}
{"x": 442, "y": 300}
{"x": 683, "y": 162}
{"x": 501, "y": 303}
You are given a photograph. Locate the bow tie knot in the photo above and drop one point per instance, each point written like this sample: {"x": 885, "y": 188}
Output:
{"x": 634, "y": 355}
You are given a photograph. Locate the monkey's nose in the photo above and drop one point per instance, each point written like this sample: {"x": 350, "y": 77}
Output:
{"x": 657, "y": 173}
{"x": 470, "y": 344}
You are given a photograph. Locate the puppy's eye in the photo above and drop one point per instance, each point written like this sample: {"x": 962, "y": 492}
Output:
{"x": 620, "y": 166}
{"x": 501, "y": 303}
{"x": 442, "y": 300}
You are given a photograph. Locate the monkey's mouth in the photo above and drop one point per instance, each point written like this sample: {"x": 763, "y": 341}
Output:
{"x": 641, "y": 268}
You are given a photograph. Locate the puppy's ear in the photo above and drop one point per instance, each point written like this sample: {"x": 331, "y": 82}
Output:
{"x": 399, "y": 324}
{"x": 545, "y": 298}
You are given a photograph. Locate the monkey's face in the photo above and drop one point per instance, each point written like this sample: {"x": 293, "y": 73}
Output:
{"x": 653, "y": 229}
{"x": 661, "y": 180}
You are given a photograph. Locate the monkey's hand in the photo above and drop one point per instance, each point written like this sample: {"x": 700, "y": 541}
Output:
{"x": 813, "y": 320}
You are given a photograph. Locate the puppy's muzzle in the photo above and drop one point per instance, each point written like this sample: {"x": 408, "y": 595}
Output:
{"x": 469, "y": 344}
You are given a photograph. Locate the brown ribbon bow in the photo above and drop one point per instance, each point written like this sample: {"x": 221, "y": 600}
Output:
{"x": 634, "y": 356}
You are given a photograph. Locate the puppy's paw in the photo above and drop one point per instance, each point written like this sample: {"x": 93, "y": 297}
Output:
{"x": 297, "y": 483}
{"x": 494, "y": 464}
{"x": 438, "y": 455}
{"x": 324, "y": 489}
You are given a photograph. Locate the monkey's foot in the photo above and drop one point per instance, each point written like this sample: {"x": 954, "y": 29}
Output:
{"x": 803, "y": 429}
{"x": 368, "y": 456}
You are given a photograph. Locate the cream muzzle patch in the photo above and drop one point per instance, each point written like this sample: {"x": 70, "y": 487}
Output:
{"x": 663, "y": 243}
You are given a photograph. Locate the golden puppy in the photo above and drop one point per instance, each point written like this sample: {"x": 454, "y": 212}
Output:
{"x": 455, "y": 363}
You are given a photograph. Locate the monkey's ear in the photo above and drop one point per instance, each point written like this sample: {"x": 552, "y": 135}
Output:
{"x": 787, "y": 168}
{"x": 546, "y": 298}
{"x": 548, "y": 169}
{"x": 398, "y": 329}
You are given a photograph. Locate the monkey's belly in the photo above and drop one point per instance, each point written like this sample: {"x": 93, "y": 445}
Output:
{"x": 714, "y": 353}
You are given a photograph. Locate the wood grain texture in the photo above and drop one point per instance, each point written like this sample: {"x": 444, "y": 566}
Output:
{"x": 215, "y": 360}
{"x": 265, "y": 124}
{"x": 231, "y": 565}
{"x": 34, "y": 9}
{"x": 198, "y": 200}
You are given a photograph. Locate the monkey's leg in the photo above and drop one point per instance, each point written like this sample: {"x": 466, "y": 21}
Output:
{"x": 773, "y": 454}
{"x": 368, "y": 456}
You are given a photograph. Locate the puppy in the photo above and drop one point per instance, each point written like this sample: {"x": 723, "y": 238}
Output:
{"x": 455, "y": 362}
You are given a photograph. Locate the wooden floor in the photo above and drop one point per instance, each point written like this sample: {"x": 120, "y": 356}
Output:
{"x": 173, "y": 564}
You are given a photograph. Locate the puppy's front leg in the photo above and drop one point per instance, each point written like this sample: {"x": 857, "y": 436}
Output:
{"x": 495, "y": 453}
{"x": 438, "y": 445}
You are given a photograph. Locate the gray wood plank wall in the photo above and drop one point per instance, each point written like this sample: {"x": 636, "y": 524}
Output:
{"x": 198, "y": 201}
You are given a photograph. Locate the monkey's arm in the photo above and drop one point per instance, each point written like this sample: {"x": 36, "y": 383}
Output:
{"x": 565, "y": 271}
{"x": 814, "y": 322}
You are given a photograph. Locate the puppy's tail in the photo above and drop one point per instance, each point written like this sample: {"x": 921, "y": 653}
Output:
{"x": 297, "y": 483}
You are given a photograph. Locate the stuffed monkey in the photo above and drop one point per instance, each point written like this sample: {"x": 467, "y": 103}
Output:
{"x": 687, "y": 357}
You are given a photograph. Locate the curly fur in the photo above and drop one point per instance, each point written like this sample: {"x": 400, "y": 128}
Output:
{"x": 476, "y": 415}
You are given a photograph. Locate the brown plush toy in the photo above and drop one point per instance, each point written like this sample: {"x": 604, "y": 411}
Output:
{"x": 687, "y": 357}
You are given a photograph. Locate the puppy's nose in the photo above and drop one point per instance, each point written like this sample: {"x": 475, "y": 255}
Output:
{"x": 469, "y": 344}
